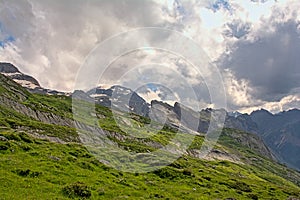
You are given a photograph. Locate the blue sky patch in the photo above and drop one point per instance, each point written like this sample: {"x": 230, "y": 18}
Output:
{"x": 218, "y": 4}
{"x": 6, "y": 40}
{"x": 5, "y": 37}
{"x": 152, "y": 87}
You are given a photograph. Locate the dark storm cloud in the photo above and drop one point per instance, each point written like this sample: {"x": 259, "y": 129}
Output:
{"x": 270, "y": 61}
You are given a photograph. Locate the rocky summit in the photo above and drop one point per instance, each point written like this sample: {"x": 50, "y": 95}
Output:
{"x": 26, "y": 81}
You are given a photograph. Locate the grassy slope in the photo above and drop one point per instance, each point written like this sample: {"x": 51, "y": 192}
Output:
{"x": 38, "y": 169}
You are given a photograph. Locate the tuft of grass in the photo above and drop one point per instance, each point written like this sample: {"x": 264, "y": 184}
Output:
{"x": 77, "y": 189}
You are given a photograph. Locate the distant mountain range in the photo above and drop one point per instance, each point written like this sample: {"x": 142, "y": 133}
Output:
{"x": 280, "y": 132}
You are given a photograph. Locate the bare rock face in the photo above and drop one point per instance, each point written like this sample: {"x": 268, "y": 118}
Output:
{"x": 252, "y": 141}
{"x": 164, "y": 114}
{"x": 8, "y": 68}
{"x": 24, "y": 80}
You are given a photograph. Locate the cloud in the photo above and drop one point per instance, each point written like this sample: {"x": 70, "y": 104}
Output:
{"x": 54, "y": 37}
{"x": 284, "y": 104}
{"x": 160, "y": 74}
{"x": 254, "y": 43}
{"x": 270, "y": 63}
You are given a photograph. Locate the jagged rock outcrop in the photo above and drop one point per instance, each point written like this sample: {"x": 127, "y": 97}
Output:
{"x": 242, "y": 122}
{"x": 121, "y": 98}
{"x": 180, "y": 115}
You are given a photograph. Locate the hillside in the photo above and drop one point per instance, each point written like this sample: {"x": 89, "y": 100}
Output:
{"x": 279, "y": 132}
{"x": 42, "y": 157}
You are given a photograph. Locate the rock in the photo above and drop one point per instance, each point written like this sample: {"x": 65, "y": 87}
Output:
{"x": 54, "y": 158}
{"x": 120, "y": 98}
{"x": 292, "y": 198}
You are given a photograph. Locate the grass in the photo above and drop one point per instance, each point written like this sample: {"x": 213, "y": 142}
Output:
{"x": 37, "y": 169}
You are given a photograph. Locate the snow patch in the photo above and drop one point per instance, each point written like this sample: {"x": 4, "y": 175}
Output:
{"x": 12, "y": 74}
{"x": 97, "y": 95}
{"x": 26, "y": 84}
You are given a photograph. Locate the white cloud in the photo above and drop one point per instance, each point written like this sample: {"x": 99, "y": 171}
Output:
{"x": 52, "y": 39}
{"x": 286, "y": 103}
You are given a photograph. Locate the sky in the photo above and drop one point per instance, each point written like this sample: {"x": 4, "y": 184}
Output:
{"x": 254, "y": 44}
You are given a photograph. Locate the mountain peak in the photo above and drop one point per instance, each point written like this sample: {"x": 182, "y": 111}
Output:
{"x": 8, "y": 68}
{"x": 13, "y": 72}
{"x": 262, "y": 111}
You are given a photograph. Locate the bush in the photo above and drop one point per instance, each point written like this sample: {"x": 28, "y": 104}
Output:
{"x": 22, "y": 172}
{"x": 241, "y": 186}
{"x": 26, "y": 147}
{"x": 4, "y": 146}
{"x": 253, "y": 196}
{"x": 101, "y": 192}
{"x": 167, "y": 172}
{"x": 77, "y": 189}
{"x": 27, "y": 173}
{"x": 13, "y": 136}
{"x": 188, "y": 172}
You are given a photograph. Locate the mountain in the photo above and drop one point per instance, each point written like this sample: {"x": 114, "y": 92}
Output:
{"x": 11, "y": 71}
{"x": 277, "y": 131}
{"x": 281, "y": 132}
{"x": 25, "y": 81}
{"x": 189, "y": 120}
{"x": 43, "y": 156}
{"x": 242, "y": 122}
{"x": 234, "y": 114}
